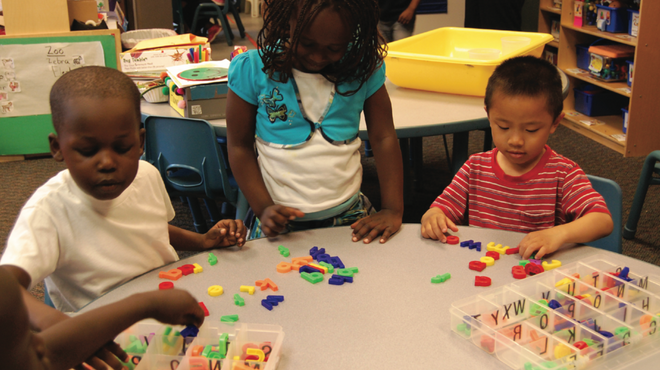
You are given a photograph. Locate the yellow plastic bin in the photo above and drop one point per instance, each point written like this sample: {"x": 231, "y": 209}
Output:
{"x": 443, "y": 60}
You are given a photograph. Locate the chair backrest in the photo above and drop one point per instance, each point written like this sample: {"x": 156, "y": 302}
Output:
{"x": 185, "y": 151}
{"x": 611, "y": 191}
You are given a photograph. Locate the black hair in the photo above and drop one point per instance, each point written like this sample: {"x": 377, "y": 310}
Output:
{"x": 527, "y": 76}
{"x": 91, "y": 82}
{"x": 363, "y": 56}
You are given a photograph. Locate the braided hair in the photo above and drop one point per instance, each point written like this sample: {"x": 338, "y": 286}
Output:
{"x": 363, "y": 56}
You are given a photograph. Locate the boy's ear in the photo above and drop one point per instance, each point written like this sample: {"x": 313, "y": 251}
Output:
{"x": 555, "y": 124}
{"x": 55, "y": 150}
{"x": 142, "y": 136}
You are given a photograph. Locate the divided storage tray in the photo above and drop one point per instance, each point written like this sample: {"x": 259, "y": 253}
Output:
{"x": 603, "y": 320}
{"x": 155, "y": 346}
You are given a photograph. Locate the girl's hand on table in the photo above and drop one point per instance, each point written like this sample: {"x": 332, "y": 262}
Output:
{"x": 385, "y": 223}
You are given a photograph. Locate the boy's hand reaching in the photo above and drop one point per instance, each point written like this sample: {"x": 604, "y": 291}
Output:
{"x": 385, "y": 222}
{"x": 542, "y": 242}
{"x": 274, "y": 218}
{"x": 435, "y": 224}
{"x": 225, "y": 234}
{"x": 175, "y": 307}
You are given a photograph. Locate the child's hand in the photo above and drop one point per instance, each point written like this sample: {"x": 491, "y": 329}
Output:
{"x": 384, "y": 222}
{"x": 542, "y": 241}
{"x": 225, "y": 234}
{"x": 274, "y": 218}
{"x": 175, "y": 307}
{"x": 435, "y": 224}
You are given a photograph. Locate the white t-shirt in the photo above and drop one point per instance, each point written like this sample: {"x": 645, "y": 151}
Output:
{"x": 83, "y": 246}
{"x": 316, "y": 175}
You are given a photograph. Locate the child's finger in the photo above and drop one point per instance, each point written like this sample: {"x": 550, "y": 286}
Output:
{"x": 114, "y": 348}
{"x": 386, "y": 235}
{"x": 451, "y": 225}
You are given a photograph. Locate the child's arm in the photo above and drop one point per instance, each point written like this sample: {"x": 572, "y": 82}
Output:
{"x": 241, "y": 126}
{"x": 70, "y": 342}
{"x": 42, "y": 317}
{"x": 435, "y": 224}
{"x": 409, "y": 13}
{"x": 587, "y": 228}
{"x": 223, "y": 234}
{"x": 385, "y": 145}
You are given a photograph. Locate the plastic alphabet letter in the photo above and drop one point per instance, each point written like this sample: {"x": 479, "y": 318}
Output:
{"x": 215, "y": 290}
{"x": 482, "y": 281}
{"x": 518, "y": 272}
{"x": 174, "y": 274}
{"x": 238, "y": 300}
{"x": 489, "y": 261}
{"x": 203, "y": 306}
{"x": 549, "y": 266}
{"x": 284, "y": 267}
{"x": 493, "y": 254}
{"x": 187, "y": 269}
{"x": 166, "y": 285}
{"x": 477, "y": 266}
{"x": 532, "y": 269}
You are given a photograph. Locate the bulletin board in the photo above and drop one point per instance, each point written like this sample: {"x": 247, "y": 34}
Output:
{"x": 29, "y": 66}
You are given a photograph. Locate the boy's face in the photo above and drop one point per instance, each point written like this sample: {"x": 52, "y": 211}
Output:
{"x": 101, "y": 143}
{"x": 323, "y": 42}
{"x": 521, "y": 126}
{"x": 20, "y": 348}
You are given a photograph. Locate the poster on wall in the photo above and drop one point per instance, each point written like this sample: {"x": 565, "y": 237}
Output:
{"x": 27, "y": 72}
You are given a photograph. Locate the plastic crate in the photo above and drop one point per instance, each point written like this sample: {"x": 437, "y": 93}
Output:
{"x": 582, "y": 56}
{"x": 625, "y": 120}
{"x": 594, "y": 101}
{"x": 609, "y": 61}
{"x": 613, "y": 20}
{"x": 633, "y": 22}
{"x": 439, "y": 60}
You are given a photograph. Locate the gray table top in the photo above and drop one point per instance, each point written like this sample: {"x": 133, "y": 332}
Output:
{"x": 390, "y": 317}
{"x": 416, "y": 113}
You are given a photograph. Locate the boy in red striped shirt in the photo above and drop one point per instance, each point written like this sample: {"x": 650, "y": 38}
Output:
{"x": 522, "y": 185}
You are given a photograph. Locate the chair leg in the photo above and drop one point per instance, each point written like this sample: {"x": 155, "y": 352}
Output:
{"x": 645, "y": 179}
{"x": 226, "y": 28}
{"x": 237, "y": 19}
{"x": 198, "y": 217}
{"x": 417, "y": 158}
{"x": 242, "y": 206}
{"x": 368, "y": 152}
{"x": 213, "y": 210}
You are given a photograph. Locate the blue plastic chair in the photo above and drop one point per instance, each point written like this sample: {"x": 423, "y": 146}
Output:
{"x": 187, "y": 154}
{"x": 646, "y": 179}
{"x": 611, "y": 192}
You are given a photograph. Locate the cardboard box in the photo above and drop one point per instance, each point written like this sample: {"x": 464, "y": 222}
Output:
{"x": 154, "y": 60}
{"x": 155, "y": 55}
{"x": 208, "y": 101}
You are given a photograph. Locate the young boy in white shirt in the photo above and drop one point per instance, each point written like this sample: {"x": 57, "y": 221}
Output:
{"x": 103, "y": 220}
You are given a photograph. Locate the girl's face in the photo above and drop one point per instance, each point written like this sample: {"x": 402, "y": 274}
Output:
{"x": 322, "y": 43}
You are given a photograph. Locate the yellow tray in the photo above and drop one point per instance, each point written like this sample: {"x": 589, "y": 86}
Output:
{"x": 444, "y": 60}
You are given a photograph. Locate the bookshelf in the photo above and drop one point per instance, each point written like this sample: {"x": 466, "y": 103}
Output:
{"x": 643, "y": 134}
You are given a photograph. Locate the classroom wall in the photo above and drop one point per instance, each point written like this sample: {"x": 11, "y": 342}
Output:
{"x": 456, "y": 16}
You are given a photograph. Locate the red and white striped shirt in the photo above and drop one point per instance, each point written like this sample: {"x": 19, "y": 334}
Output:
{"x": 556, "y": 191}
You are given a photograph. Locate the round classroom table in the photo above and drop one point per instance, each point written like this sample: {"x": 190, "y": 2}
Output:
{"x": 390, "y": 317}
